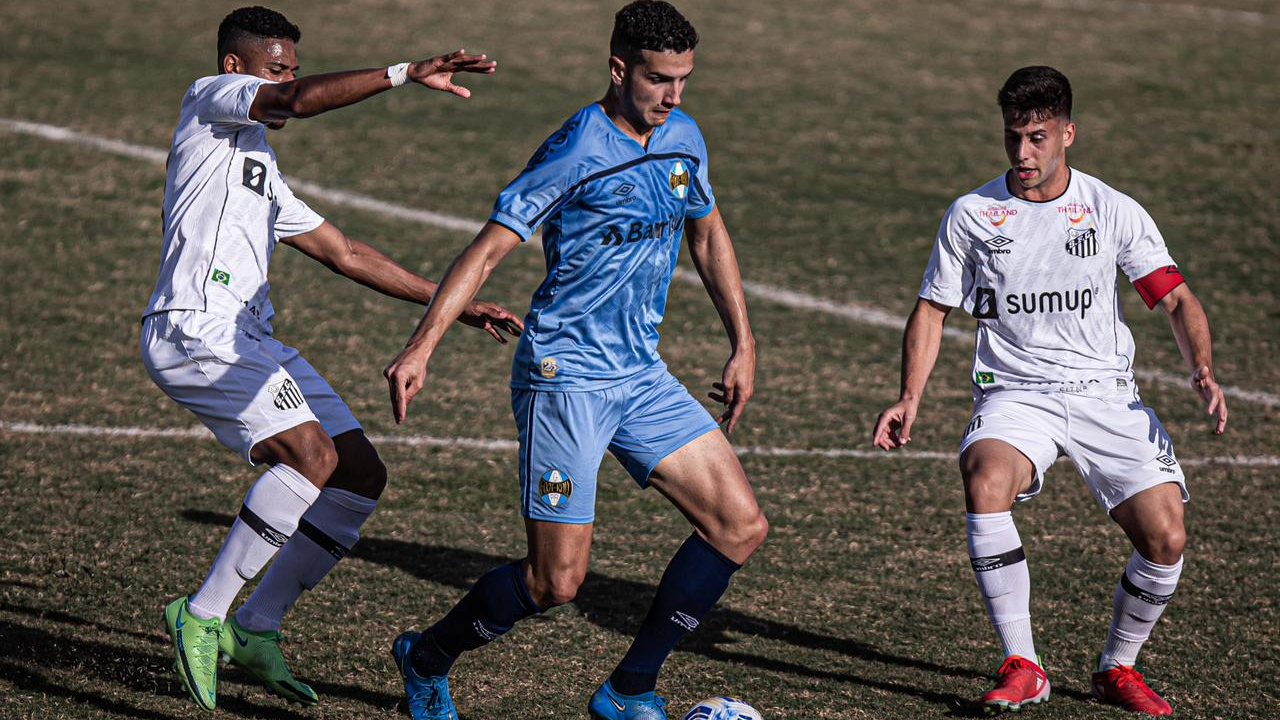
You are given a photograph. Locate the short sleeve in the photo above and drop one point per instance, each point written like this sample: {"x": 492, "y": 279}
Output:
{"x": 540, "y": 188}
{"x": 944, "y": 278}
{"x": 701, "y": 198}
{"x": 1141, "y": 249}
{"x": 225, "y": 98}
{"x": 293, "y": 216}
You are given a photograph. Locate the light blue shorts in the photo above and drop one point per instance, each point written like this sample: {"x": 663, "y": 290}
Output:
{"x": 563, "y": 437}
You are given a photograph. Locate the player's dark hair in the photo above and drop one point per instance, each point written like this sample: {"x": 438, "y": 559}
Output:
{"x": 253, "y": 23}
{"x": 1035, "y": 93}
{"x": 650, "y": 25}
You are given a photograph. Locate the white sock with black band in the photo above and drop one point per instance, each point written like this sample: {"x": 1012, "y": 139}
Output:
{"x": 1144, "y": 590}
{"x": 325, "y": 533}
{"x": 269, "y": 515}
{"x": 1000, "y": 566}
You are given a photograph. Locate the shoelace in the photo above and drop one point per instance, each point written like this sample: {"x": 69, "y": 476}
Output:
{"x": 206, "y": 655}
{"x": 1128, "y": 675}
{"x": 430, "y": 695}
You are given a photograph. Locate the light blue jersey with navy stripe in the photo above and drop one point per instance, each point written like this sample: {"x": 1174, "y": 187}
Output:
{"x": 612, "y": 214}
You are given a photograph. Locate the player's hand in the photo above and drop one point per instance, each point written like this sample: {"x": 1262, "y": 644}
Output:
{"x": 893, "y": 427}
{"x": 405, "y": 377}
{"x": 736, "y": 387}
{"x": 437, "y": 72}
{"x": 1203, "y": 382}
{"x": 493, "y": 319}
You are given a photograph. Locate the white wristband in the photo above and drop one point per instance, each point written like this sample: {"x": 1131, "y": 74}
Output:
{"x": 398, "y": 74}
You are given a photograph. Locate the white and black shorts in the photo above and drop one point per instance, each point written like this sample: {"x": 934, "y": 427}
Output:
{"x": 243, "y": 387}
{"x": 1117, "y": 444}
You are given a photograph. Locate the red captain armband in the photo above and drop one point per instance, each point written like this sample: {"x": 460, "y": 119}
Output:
{"x": 1155, "y": 285}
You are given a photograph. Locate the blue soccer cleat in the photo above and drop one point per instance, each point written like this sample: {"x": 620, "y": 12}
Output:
{"x": 609, "y": 704}
{"x": 428, "y": 696}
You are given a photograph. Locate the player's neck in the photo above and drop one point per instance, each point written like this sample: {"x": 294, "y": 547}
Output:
{"x": 1050, "y": 189}
{"x": 637, "y": 131}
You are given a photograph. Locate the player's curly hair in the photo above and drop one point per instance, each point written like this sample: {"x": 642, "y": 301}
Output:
{"x": 1035, "y": 93}
{"x": 650, "y": 25}
{"x": 253, "y": 23}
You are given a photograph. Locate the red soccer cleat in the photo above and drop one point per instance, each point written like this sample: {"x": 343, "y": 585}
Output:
{"x": 1019, "y": 682}
{"x": 1125, "y": 687}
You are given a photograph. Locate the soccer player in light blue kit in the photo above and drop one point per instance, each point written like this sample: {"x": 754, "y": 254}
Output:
{"x": 614, "y": 190}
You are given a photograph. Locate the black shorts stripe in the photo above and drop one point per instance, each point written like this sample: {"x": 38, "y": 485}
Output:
{"x": 1147, "y": 597}
{"x": 319, "y": 537}
{"x": 995, "y": 562}
{"x": 260, "y": 526}
{"x": 526, "y": 496}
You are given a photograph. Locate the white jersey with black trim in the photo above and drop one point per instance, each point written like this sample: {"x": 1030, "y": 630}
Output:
{"x": 1040, "y": 277}
{"x": 225, "y": 207}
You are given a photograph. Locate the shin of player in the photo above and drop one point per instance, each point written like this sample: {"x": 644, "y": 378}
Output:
{"x": 207, "y": 339}
{"x": 1032, "y": 255}
{"x": 615, "y": 189}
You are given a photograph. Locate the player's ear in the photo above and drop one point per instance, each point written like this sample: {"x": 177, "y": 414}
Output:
{"x": 1068, "y": 133}
{"x": 231, "y": 63}
{"x": 617, "y": 71}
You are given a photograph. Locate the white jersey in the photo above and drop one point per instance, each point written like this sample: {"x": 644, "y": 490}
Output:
{"x": 225, "y": 206}
{"x": 1040, "y": 277}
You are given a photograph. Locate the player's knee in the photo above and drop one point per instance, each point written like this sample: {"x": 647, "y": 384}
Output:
{"x": 753, "y": 533}
{"x": 986, "y": 491}
{"x": 360, "y": 470}
{"x": 1165, "y": 546}
{"x": 556, "y": 588}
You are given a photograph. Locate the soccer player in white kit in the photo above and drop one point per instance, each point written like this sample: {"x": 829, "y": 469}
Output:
{"x": 207, "y": 340}
{"x": 1033, "y": 255}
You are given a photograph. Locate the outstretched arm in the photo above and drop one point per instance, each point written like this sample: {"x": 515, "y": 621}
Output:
{"x": 920, "y": 344}
{"x": 315, "y": 94}
{"x": 408, "y": 372}
{"x": 1191, "y": 330}
{"x": 717, "y": 265}
{"x": 366, "y": 265}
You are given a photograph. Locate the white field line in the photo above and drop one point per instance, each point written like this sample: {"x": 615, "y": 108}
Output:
{"x": 772, "y": 293}
{"x": 496, "y": 445}
{"x": 1185, "y": 11}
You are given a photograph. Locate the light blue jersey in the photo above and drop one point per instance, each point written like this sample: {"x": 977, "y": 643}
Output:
{"x": 612, "y": 214}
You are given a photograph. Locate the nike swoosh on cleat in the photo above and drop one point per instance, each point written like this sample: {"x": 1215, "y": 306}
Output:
{"x": 243, "y": 642}
{"x": 621, "y": 708}
{"x": 177, "y": 622}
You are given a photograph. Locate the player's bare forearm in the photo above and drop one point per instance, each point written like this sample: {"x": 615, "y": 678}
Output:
{"x": 315, "y": 94}
{"x": 362, "y": 263}
{"x": 462, "y": 280}
{"x": 1191, "y": 330}
{"x": 717, "y": 265}
{"x": 407, "y": 373}
{"x": 920, "y": 344}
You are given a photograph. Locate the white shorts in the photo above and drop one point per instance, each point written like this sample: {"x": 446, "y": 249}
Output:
{"x": 243, "y": 387}
{"x": 1117, "y": 444}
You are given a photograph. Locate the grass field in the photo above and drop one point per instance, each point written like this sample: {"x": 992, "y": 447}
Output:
{"x": 839, "y": 132}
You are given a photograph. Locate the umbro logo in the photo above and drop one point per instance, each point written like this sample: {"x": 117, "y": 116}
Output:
{"x": 624, "y": 189}
{"x": 688, "y": 622}
{"x": 986, "y": 562}
{"x": 1166, "y": 460}
{"x": 999, "y": 244}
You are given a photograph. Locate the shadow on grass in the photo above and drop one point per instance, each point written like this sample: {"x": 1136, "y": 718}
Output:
{"x": 620, "y": 605}
{"x": 24, "y": 648}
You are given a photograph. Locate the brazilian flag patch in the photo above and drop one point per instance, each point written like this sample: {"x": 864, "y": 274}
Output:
{"x": 221, "y": 276}
{"x": 982, "y": 377}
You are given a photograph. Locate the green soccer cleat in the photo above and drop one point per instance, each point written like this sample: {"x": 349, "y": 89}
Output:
{"x": 195, "y": 651}
{"x": 258, "y": 653}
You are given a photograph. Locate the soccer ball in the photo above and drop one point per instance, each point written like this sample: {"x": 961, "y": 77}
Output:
{"x": 722, "y": 708}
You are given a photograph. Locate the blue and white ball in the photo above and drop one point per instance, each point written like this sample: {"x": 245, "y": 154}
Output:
{"x": 722, "y": 708}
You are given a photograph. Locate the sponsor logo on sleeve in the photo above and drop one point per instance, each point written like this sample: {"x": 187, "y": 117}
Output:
{"x": 555, "y": 488}
{"x": 255, "y": 176}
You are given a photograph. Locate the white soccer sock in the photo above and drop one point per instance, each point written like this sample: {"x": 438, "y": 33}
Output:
{"x": 995, "y": 550}
{"x": 325, "y": 533}
{"x": 1141, "y": 595}
{"x": 267, "y": 518}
